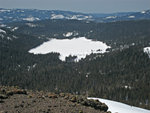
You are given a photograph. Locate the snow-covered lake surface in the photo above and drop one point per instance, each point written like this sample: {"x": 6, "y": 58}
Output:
{"x": 79, "y": 47}
{"x": 117, "y": 107}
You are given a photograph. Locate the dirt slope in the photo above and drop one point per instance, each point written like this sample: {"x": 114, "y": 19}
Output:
{"x": 14, "y": 100}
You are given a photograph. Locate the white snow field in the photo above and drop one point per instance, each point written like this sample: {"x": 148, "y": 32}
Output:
{"x": 147, "y": 50}
{"x": 117, "y": 107}
{"x": 79, "y": 47}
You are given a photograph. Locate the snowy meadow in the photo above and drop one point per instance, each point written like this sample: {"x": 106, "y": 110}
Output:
{"x": 80, "y": 47}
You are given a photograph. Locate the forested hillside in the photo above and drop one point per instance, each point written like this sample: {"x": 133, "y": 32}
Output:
{"x": 126, "y": 32}
{"x": 122, "y": 74}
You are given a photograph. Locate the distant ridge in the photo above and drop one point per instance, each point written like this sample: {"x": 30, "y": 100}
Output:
{"x": 16, "y": 15}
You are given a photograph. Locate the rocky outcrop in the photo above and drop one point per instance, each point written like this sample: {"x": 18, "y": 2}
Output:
{"x": 9, "y": 91}
{"x": 14, "y": 99}
{"x": 89, "y": 102}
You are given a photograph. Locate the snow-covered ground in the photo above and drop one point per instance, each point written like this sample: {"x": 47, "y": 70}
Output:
{"x": 15, "y": 28}
{"x": 143, "y": 12}
{"x": 31, "y": 19}
{"x": 55, "y": 16}
{"x": 110, "y": 17}
{"x": 131, "y": 17}
{"x": 2, "y": 31}
{"x": 76, "y": 17}
{"x": 68, "y": 34}
{"x": 31, "y": 25}
{"x": 147, "y": 50}
{"x": 79, "y": 47}
{"x": 117, "y": 107}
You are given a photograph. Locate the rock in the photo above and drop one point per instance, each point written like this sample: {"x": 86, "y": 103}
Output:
{"x": 3, "y": 96}
{"x": 48, "y": 110}
{"x": 33, "y": 101}
{"x": 16, "y": 106}
{"x": 52, "y": 95}
{"x": 16, "y": 91}
{"x": 84, "y": 103}
{"x": 3, "y": 91}
{"x": 80, "y": 100}
{"x": 20, "y": 92}
{"x": 66, "y": 97}
{"x": 21, "y": 105}
{"x": 80, "y": 111}
{"x": 73, "y": 105}
{"x": 92, "y": 103}
{"x": 23, "y": 102}
{"x": 104, "y": 107}
{"x": 30, "y": 96}
{"x": 1, "y": 101}
{"x": 9, "y": 93}
{"x": 73, "y": 99}
{"x": 3, "y": 111}
{"x": 62, "y": 94}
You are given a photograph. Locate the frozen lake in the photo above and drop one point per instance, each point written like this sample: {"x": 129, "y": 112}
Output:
{"x": 79, "y": 47}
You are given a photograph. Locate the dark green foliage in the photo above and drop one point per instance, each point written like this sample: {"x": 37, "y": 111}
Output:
{"x": 121, "y": 74}
{"x": 125, "y": 32}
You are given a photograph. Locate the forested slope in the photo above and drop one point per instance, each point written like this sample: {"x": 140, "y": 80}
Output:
{"x": 122, "y": 74}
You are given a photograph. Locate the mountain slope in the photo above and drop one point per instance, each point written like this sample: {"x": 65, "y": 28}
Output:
{"x": 16, "y": 15}
{"x": 122, "y": 33}
{"x": 122, "y": 74}
{"x": 134, "y": 16}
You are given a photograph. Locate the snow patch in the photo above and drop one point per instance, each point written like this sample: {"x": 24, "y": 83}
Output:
{"x": 143, "y": 12}
{"x": 2, "y": 31}
{"x": 54, "y": 16}
{"x": 4, "y": 10}
{"x": 8, "y": 38}
{"x": 117, "y": 107}
{"x": 80, "y": 47}
{"x": 147, "y": 50}
{"x": 127, "y": 87}
{"x": 131, "y": 17}
{"x": 68, "y": 34}
{"x": 31, "y": 25}
{"x": 110, "y": 17}
{"x": 15, "y": 37}
{"x": 76, "y": 33}
{"x": 31, "y": 19}
{"x": 2, "y": 25}
{"x": 79, "y": 17}
{"x": 15, "y": 28}
{"x": 34, "y": 65}
{"x": 73, "y": 17}
{"x": 82, "y": 17}
{"x": 2, "y": 36}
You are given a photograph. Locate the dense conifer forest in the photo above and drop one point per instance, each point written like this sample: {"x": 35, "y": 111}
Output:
{"x": 121, "y": 74}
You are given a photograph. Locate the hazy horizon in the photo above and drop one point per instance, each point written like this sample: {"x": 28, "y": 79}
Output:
{"x": 84, "y": 6}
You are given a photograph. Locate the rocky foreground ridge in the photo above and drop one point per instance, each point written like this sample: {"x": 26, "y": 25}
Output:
{"x": 15, "y": 100}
